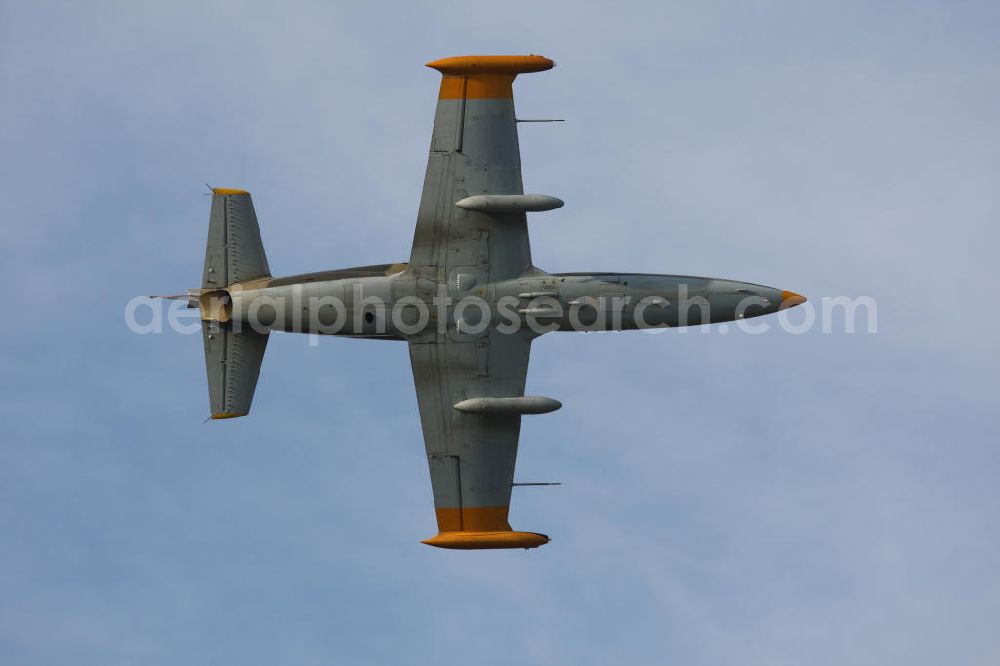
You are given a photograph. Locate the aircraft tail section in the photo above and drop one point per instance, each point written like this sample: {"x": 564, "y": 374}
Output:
{"x": 235, "y": 253}
{"x": 232, "y": 360}
{"x": 234, "y": 256}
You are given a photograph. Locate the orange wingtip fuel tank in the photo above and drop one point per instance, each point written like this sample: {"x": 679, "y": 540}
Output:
{"x": 484, "y": 77}
{"x": 482, "y": 540}
{"x": 472, "y": 65}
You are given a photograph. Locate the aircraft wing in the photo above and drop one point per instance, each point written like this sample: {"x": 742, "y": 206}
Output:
{"x": 471, "y": 231}
{"x": 474, "y": 151}
{"x": 471, "y": 454}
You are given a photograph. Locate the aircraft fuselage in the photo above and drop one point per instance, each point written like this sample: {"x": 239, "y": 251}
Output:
{"x": 388, "y": 302}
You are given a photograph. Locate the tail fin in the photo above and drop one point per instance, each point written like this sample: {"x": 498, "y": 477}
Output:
{"x": 234, "y": 255}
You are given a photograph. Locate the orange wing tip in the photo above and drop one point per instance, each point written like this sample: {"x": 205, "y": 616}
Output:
{"x": 228, "y": 190}
{"x": 484, "y": 540}
{"x": 469, "y": 65}
{"x": 228, "y": 415}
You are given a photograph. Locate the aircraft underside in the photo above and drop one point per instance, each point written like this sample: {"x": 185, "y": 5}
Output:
{"x": 469, "y": 302}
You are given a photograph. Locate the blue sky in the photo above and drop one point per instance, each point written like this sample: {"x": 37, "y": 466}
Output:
{"x": 727, "y": 498}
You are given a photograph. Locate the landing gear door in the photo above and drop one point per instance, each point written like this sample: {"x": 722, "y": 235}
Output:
{"x": 471, "y": 293}
{"x": 469, "y": 286}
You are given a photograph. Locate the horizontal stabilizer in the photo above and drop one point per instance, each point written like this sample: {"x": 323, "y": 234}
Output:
{"x": 234, "y": 255}
{"x": 232, "y": 360}
{"x": 234, "y": 252}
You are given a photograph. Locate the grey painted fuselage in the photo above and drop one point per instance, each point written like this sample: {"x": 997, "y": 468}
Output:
{"x": 369, "y": 303}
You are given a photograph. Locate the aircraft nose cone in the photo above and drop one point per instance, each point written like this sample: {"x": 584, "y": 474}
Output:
{"x": 790, "y": 299}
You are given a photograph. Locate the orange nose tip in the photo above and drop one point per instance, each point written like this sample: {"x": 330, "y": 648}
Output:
{"x": 790, "y": 299}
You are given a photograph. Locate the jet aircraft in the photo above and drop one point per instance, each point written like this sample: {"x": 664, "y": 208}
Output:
{"x": 468, "y": 302}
